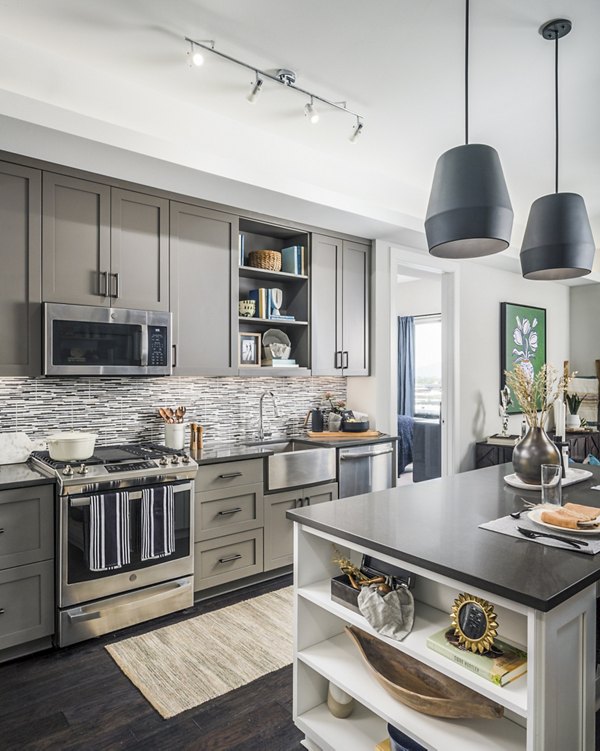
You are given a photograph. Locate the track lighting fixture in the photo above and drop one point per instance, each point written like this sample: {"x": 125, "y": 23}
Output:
{"x": 283, "y": 77}
{"x": 358, "y": 129}
{"x": 558, "y": 241}
{"x": 255, "y": 90}
{"x": 311, "y": 112}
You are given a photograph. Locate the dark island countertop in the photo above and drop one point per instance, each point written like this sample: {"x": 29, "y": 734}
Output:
{"x": 434, "y": 525}
{"x": 21, "y": 476}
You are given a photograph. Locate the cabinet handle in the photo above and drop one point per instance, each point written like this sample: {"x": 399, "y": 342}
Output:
{"x": 117, "y": 285}
{"x": 1, "y": 611}
{"x": 1, "y": 530}
{"x": 174, "y": 358}
{"x": 227, "y": 512}
{"x": 230, "y": 475}
{"x": 229, "y": 558}
{"x": 344, "y": 359}
{"x": 307, "y": 501}
{"x": 338, "y": 359}
{"x": 103, "y": 288}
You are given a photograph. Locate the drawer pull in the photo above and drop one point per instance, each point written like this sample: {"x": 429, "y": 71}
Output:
{"x": 227, "y": 512}
{"x": 85, "y": 616}
{"x": 229, "y": 558}
{"x": 1, "y": 530}
{"x": 229, "y": 475}
{"x": 1, "y": 611}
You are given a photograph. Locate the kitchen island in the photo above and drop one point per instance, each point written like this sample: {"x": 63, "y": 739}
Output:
{"x": 545, "y": 600}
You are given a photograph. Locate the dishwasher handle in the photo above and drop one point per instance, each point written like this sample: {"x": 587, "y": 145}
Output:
{"x": 364, "y": 455}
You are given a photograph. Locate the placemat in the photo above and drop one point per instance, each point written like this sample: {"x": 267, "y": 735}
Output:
{"x": 506, "y": 525}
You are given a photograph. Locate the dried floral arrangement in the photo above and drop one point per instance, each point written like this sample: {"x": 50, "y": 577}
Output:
{"x": 536, "y": 394}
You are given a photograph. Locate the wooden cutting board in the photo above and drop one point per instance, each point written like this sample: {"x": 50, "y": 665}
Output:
{"x": 343, "y": 434}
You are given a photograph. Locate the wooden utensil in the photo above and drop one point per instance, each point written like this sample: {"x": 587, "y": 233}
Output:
{"x": 179, "y": 413}
{"x": 170, "y": 414}
{"x": 163, "y": 413}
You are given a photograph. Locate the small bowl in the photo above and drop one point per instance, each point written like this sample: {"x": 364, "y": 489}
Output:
{"x": 247, "y": 308}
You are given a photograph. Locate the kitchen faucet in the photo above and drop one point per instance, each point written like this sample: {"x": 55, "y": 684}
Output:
{"x": 261, "y": 432}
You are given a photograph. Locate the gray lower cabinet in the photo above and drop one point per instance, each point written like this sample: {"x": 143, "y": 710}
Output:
{"x": 340, "y": 276}
{"x": 21, "y": 277}
{"x": 279, "y": 542}
{"x": 228, "y": 558}
{"x": 104, "y": 246}
{"x": 26, "y": 569}
{"x": 220, "y": 512}
{"x": 203, "y": 278}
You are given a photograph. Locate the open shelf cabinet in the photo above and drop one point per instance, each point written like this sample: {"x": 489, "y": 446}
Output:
{"x": 295, "y": 288}
{"x": 538, "y": 707}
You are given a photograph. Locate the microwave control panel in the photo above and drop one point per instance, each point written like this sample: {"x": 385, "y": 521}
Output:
{"x": 157, "y": 346}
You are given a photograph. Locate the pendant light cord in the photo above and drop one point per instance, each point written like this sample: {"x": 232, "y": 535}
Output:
{"x": 556, "y": 113}
{"x": 466, "y": 71}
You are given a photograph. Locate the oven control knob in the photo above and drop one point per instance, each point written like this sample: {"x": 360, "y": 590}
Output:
{"x": 83, "y": 470}
{"x": 68, "y": 470}
{"x": 185, "y": 459}
{"x": 163, "y": 461}
{"x": 174, "y": 459}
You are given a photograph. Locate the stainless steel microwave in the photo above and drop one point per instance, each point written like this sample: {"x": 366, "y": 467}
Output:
{"x": 95, "y": 341}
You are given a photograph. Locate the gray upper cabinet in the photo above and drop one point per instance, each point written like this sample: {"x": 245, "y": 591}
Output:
{"x": 104, "y": 246}
{"x": 20, "y": 280}
{"x": 76, "y": 241}
{"x": 340, "y": 307}
{"x": 139, "y": 251}
{"x": 203, "y": 279}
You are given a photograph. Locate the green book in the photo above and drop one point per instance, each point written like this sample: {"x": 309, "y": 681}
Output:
{"x": 501, "y": 665}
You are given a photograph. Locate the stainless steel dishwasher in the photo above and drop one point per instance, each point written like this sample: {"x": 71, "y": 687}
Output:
{"x": 363, "y": 469}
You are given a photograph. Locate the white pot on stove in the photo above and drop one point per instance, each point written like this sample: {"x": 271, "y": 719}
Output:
{"x": 71, "y": 445}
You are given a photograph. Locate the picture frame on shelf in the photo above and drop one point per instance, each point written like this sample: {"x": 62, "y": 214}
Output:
{"x": 249, "y": 350}
{"x": 522, "y": 342}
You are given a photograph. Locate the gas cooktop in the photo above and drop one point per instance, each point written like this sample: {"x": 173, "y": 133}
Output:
{"x": 116, "y": 465}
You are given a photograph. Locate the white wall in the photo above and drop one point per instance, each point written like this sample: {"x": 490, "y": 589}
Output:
{"x": 419, "y": 298}
{"x": 583, "y": 326}
{"x": 480, "y": 289}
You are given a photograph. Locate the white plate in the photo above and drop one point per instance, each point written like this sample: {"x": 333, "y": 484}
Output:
{"x": 573, "y": 476}
{"x": 536, "y": 513}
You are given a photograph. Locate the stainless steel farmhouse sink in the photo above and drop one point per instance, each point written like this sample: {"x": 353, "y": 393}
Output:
{"x": 295, "y": 463}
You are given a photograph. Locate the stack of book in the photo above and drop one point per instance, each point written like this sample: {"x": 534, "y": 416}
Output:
{"x": 279, "y": 363}
{"x": 501, "y": 665}
{"x": 503, "y": 440}
{"x": 293, "y": 260}
{"x": 264, "y": 305}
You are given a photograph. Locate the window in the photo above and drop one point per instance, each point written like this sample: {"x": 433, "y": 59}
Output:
{"x": 428, "y": 366}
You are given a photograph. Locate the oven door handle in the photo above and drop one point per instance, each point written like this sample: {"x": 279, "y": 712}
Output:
{"x": 134, "y": 495}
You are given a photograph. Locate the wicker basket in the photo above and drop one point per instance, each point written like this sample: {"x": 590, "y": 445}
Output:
{"x": 265, "y": 259}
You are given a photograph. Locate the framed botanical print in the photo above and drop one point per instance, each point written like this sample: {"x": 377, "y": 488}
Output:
{"x": 522, "y": 342}
{"x": 249, "y": 350}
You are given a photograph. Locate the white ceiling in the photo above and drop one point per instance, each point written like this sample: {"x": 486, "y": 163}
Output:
{"x": 115, "y": 71}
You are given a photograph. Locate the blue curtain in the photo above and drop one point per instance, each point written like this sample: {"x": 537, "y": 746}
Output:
{"x": 406, "y": 365}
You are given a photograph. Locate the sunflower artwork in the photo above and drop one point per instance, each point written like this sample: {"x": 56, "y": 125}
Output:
{"x": 523, "y": 342}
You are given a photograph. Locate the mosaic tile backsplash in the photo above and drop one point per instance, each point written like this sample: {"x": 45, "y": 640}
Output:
{"x": 124, "y": 410}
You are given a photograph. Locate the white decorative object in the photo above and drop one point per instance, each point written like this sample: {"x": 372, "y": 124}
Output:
{"x": 339, "y": 703}
{"x": 573, "y": 421}
{"x": 175, "y": 435}
{"x": 560, "y": 413}
{"x": 573, "y": 476}
{"x": 71, "y": 445}
{"x": 15, "y": 448}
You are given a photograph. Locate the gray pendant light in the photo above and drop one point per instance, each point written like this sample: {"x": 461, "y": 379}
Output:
{"x": 469, "y": 212}
{"x": 558, "y": 241}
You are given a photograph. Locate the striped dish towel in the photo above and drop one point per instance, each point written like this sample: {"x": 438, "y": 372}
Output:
{"x": 158, "y": 522}
{"x": 108, "y": 546}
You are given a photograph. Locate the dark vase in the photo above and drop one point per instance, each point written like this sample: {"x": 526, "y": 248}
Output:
{"x": 531, "y": 452}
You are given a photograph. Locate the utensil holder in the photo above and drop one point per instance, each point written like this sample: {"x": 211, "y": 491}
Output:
{"x": 175, "y": 435}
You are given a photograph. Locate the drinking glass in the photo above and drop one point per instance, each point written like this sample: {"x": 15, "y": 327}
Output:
{"x": 551, "y": 484}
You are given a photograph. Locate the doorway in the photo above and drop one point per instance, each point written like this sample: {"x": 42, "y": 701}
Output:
{"x": 418, "y": 324}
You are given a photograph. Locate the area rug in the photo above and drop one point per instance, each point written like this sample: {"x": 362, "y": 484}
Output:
{"x": 186, "y": 664}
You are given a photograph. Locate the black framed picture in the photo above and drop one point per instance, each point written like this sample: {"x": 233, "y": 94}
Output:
{"x": 249, "y": 350}
{"x": 522, "y": 342}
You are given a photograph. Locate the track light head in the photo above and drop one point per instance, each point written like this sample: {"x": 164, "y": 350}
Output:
{"x": 311, "y": 112}
{"x": 357, "y": 131}
{"x": 255, "y": 90}
{"x": 197, "y": 58}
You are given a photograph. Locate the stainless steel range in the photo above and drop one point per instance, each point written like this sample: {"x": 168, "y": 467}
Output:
{"x": 112, "y": 575}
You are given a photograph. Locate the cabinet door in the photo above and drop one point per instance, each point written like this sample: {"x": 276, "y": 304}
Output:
{"x": 202, "y": 278}
{"x": 26, "y": 603}
{"x": 139, "y": 247}
{"x": 76, "y": 241}
{"x": 21, "y": 277}
{"x": 26, "y": 525}
{"x": 279, "y": 538}
{"x": 320, "y": 494}
{"x": 355, "y": 308}
{"x": 326, "y": 332}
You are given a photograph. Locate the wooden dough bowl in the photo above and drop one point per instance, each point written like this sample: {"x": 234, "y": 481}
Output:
{"x": 418, "y": 686}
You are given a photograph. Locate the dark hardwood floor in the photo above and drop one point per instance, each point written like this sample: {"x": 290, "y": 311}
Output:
{"x": 77, "y": 698}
